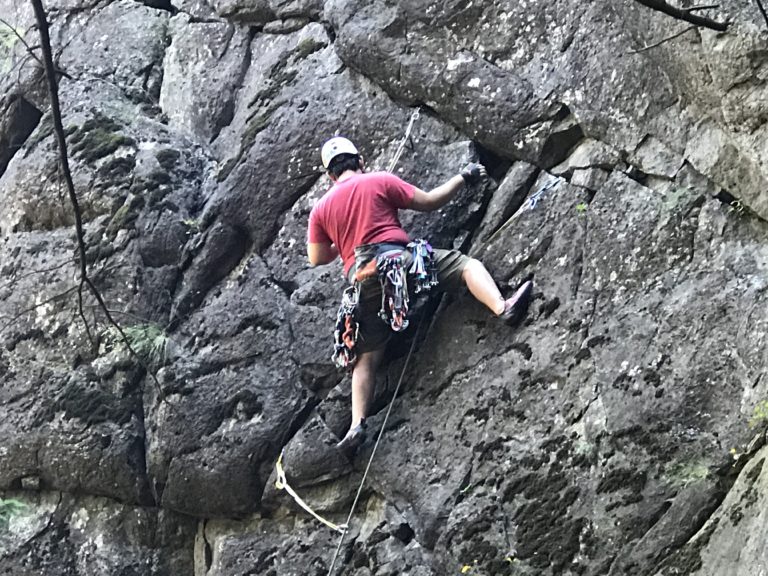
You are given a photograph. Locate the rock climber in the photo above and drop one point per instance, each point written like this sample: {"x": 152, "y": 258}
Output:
{"x": 357, "y": 219}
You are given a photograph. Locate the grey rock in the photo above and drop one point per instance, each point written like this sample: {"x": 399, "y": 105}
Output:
{"x": 59, "y": 534}
{"x": 198, "y": 95}
{"x": 18, "y": 119}
{"x": 594, "y": 438}
{"x": 588, "y": 154}
{"x": 258, "y": 12}
{"x": 129, "y": 56}
{"x": 732, "y": 530}
{"x": 506, "y": 200}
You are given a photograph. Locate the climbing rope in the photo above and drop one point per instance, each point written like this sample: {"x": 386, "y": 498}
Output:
{"x": 399, "y": 152}
{"x": 345, "y": 526}
{"x": 341, "y": 357}
{"x": 529, "y": 204}
{"x": 282, "y": 484}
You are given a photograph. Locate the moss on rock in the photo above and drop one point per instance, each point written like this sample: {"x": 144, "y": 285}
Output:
{"x": 124, "y": 216}
{"x": 168, "y": 158}
{"x": 98, "y": 137}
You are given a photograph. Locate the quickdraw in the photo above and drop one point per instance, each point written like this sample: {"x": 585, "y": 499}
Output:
{"x": 345, "y": 333}
{"x": 424, "y": 267}
{"x": 394, "y": 291}
{"x": 528, "y": 205}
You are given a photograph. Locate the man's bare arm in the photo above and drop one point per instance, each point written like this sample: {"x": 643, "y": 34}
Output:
{"x": 437, "y": 197}
{"x": 319, "y": 253}
{"x": 440, "y": 196}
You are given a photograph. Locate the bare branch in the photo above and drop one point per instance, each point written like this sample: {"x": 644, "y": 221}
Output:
{"x": 702, "y": 7}
{"x": 81, "y": 313}
{"x": 762, "y": 11}
{"x": 58, "y": 128}
{"x": 33, "y": 272}
{"x": 660, "y": 42}
{"x": 686, "y": 15}
{"x": 127, "y": 314}
{"x": 31, "y": 49}
{"x": 21, "y": 39}
{"x": 50, "y": 299}
{"x": 34, "y": 307}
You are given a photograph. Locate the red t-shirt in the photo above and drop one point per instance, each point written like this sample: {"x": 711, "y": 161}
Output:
{"x": 360, "y": 210}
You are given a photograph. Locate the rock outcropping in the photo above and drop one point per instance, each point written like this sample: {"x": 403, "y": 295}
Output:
{"x": 619, "y": 431}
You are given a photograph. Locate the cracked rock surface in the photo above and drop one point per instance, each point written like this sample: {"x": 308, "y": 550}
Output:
{"x": 618, "y": 431}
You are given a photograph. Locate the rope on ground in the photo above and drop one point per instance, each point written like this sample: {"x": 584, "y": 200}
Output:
{"x": 373, "y": 452}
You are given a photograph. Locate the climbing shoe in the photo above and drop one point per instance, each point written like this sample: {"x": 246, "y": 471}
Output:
{"x": 516, "y": 306}
{"x": 353, "y": 440}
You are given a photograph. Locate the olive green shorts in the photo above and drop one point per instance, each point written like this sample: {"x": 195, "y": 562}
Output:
{"x": 373, "y": 332}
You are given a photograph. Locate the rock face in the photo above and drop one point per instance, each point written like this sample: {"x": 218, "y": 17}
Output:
{"x": 619, "y": 430}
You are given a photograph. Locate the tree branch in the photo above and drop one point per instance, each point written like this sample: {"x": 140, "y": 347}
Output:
{"x": 762, "y": 11}
{"x": 702, "y": 7}
{"x": 686, "y": 15}
{"x": 58, "y": 128}
{"x": 12, "y": 320}
{"x": 13, "y": 281}
{"x": 21, "y": 39}
{"x": 660, "y": 42}
{"x": 30, "y": 49}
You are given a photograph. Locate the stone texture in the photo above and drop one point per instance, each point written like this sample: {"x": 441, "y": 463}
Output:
{"x": 59, "y": 534}
{"x": 608, "y": 434}
{"x": 732, "y": 538}
{"x": 198, "y": 94}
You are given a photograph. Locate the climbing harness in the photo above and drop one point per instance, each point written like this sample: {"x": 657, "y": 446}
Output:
{"x": 282, "y": 484}
{"x": 394, "y": 303}
{"x": 345, "y": 333}
{"x": 529, "y": 204}
{"x": 389, "y": 266}
{"x": 393, "y": 276}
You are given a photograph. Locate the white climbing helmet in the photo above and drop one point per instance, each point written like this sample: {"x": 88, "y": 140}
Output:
{"x": 334, "y": 147}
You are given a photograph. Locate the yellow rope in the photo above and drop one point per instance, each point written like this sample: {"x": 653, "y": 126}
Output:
{"x": 282, "y": 484}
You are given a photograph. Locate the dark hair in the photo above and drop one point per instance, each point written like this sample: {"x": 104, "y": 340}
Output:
{"x": 342, "y": 163}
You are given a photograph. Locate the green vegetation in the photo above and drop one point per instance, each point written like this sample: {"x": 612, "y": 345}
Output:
{"x": 581, "y": 207}
{"x": 307, "y": 47}
{"x": 149, "y": 341}
{"x": 8, "y": 509}
{"x": 124, "y": 216}
{"x": 682, "y": 474}
{"x": 118, "y": 168}
{"x": 193, "y": 224}
{"x": 759, "y": 415}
